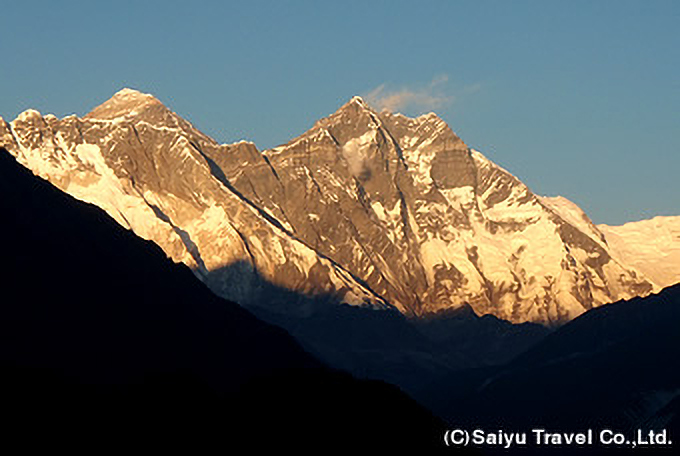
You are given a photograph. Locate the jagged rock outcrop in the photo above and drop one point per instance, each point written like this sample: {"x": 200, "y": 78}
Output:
{"x": 366, "y": 208}
{"x": 149, "y": 169}
{"x": 429, "y": 223}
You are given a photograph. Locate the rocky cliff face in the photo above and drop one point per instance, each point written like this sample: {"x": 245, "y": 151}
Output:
{"x": 429, "y": 223}
{"x": 365, "y": 208}
{"x": 148, "y": 168}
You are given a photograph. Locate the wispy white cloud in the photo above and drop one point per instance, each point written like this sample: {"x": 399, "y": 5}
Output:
{"x": 432, "y": 96}
{"x": 356, "y": 160}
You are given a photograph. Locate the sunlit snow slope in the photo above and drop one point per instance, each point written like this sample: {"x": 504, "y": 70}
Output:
{"x": 365, "y": 208}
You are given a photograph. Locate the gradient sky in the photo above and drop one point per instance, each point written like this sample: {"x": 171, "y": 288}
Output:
{"x": 580, "y": 99}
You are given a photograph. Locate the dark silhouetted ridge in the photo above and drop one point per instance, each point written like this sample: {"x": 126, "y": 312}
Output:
{"x": 614, "y": 367}
{"x": 108, "y": 345}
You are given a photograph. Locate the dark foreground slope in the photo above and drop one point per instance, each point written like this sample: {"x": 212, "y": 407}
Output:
{"x": 409, "y": 352}
{"x": 614, "y": 367}
{"x": 106, "y": 344}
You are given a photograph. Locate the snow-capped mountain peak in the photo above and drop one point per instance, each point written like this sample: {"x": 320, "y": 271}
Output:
{"x": 360, "y": 101}
{"x": 366, "y": 208}
{"x": 124, "y": 103}
{"x": 652, "y": 247}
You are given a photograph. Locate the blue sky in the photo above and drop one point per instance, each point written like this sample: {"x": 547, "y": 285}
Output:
{"x": 575, "y": 98}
